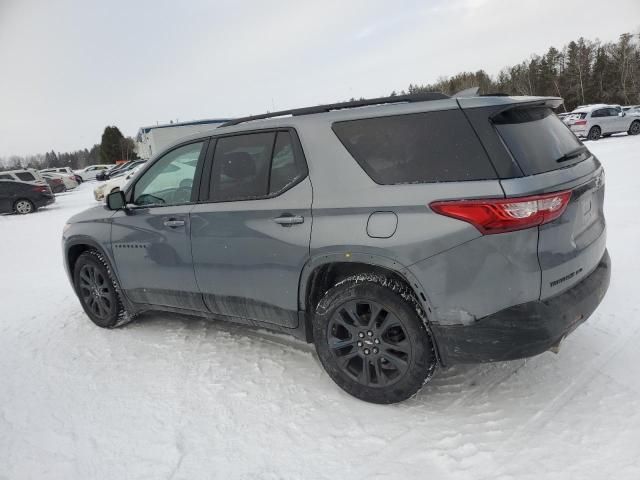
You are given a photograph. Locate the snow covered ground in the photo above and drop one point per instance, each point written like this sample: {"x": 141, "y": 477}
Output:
{"x": 167, "y": 397}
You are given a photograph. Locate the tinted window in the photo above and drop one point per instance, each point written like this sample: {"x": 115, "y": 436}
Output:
{"x": 169, "y": 181}
{"x": 285, "y": 170}
{"x": 241, "y": 167}
{"x": 417, "y": 148}
{"x": 600, "y": 113}
{"x": 25, "y": 176}
{"x": 6, "y": 177}
{"x": 537, "y": 139}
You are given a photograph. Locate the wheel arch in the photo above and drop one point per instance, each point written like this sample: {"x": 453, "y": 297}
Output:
{"x": 323, "y": 272}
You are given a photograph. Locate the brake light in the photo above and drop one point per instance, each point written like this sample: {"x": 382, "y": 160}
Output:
{"x": 580, "y": 122}
{"x": 506, "y": 214}
{"x": 41, "y": 189}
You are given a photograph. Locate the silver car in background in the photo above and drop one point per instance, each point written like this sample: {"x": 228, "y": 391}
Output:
{"x": 595, "y": 121}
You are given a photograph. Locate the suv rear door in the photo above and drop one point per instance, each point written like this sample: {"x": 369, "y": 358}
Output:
{"x": 250, "y": 235}
{"x": 606, "y": 119}
{"x": 552, "y": 159}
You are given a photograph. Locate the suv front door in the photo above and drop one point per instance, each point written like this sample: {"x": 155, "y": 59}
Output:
{"x": 150, "y": 239}
{"x": 250, "y": 237}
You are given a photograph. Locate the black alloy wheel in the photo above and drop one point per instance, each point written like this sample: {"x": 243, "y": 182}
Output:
{"x": 372, "y": 337}
{"x": 95, "y": 291}
{"x": 369, "y": 343}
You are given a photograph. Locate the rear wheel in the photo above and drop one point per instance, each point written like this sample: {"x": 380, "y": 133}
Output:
{"x": 97, "y": 290}
{"x": 372, "y": 341}
{"x": 24, "y": 206}
{"x": 594, "y": 133}
{"x": 634, "y": 129}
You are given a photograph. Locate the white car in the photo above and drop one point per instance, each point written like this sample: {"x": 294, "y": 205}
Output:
{"x": 90, "y": 172}
{"x": 26, "y": 175}
{"x": 595, "y": 121}
{"x": 63, "y": 171}
{"x": 114, "y": 184}
{"x": 69, "y": 180}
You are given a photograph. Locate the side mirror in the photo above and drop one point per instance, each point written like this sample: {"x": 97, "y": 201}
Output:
{"x": 621, "y": 114}
{"x": 116, "y": 200}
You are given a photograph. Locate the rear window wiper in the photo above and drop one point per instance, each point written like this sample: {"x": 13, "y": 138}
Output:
{"x": 572, "y": 154}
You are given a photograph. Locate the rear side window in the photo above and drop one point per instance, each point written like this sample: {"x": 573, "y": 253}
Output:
{"x": 6, "y": 177}
{"x": 538, "y": 140}
{"x": 285, "y": 170}
{"x": 416, "y": 148}
{"x": 241, "y": 167}
{"x": 25, "y": 176}
{"x": 255, "y": 165}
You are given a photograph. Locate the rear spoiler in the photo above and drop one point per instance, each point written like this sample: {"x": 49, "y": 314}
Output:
{"x": 507, "y": 102}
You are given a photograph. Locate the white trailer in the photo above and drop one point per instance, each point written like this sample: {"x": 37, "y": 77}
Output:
{"x": 153, "y": 139}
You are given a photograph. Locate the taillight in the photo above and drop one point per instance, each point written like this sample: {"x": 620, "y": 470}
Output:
{"x": 506, "y": 214}
{"x": 580, "y": 122}
{"x": 41, "y": 189}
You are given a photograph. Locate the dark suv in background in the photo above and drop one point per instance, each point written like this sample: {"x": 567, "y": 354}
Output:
{"x": 396, "y": 234}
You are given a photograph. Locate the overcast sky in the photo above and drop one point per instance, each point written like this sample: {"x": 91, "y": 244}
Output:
{"x": 69, "y": 68}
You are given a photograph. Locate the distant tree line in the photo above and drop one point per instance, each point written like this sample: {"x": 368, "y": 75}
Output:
{"x": 582, "y": 72}
{"x": 114, "y": 146}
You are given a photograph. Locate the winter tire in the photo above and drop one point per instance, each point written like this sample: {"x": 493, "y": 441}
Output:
{"x": 98, "y": 292}
{"x": 24, "y": 206}
{"x": 372, "y": 339}
{"x": 594, "y": 133}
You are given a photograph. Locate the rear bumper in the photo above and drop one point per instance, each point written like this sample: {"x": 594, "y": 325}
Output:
{"x": 44, "y": 200}
{"x": 524, "y": 330}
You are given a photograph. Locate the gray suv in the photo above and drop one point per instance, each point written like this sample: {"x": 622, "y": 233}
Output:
{"x": 395, "y": 234}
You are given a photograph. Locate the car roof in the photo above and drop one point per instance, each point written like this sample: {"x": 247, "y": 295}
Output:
{"x": 361, "y": 112}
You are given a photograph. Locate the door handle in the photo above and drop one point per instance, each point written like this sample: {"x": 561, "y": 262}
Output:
{"x": 288, "y": 220}
{"x": 173, "y": 223}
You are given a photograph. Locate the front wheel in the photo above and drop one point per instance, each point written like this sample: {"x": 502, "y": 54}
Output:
{"x": 594, "y": 133}
{"x": 98, "y": 291}
{"x": 372, "y": 340}
{"x": 634, "y": 129}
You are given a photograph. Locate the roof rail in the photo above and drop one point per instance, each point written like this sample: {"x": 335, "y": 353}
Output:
{"x": 416, "y": 97}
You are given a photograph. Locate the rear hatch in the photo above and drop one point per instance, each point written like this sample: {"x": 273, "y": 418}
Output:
{"x": 552, "y": 159}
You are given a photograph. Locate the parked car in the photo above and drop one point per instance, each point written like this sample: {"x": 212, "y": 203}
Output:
{"x": 63, "y": 171}
{"x": 27, "y": 175}
{"x": 565, "y": 116}
{"x": 117, "y": 170}
{"x": 69, "y": 181}
{"x": 55, "y": 183}
{"x": 602, "y": 120}
{"x": 22, "y": 197}
{"x": 104, "y": 174}
{"x": 632, "y": 110}
{"x": 445, "y": 231}
{"x": 90, "y": 172}
{"x": 114, "y": 184}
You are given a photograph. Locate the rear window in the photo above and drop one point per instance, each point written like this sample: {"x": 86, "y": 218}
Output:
{"x": 417, "y": 148}
{"x": 538, "y": 140}
{"x": 25, "y": 176}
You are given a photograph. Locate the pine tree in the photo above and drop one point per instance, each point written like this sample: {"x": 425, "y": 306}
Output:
{"x": 111, "y": 145}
